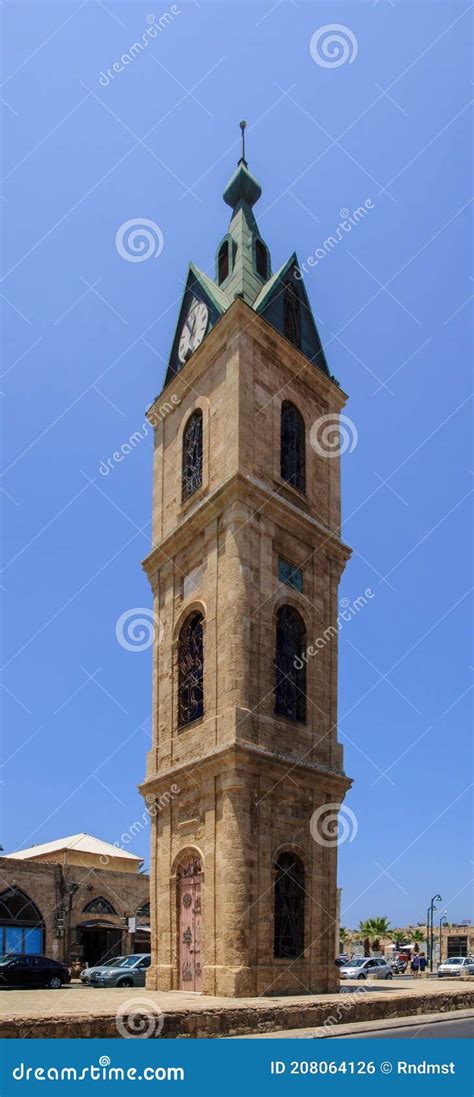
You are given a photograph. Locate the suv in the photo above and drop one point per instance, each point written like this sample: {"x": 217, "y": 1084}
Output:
{"x": 130, "y": 971}
{"x": 456, "y": 965}
{"x": 32, "y": 971}
{"x": 365, "y": 967}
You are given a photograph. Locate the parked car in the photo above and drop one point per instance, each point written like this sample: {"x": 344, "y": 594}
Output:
{"x": 130, "y": 971}
{"x": 456, "y": 965}
{"x": 32, "y": 971}
{"x": 340, "y": 960}
{"x": 89, "y": 974}
{"x": 366, "y": 967}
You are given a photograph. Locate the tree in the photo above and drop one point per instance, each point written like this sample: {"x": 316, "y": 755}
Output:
{"x": 365, "y": 928}
{"x": 418, "y": 937}
{"x": 372, "y": 930}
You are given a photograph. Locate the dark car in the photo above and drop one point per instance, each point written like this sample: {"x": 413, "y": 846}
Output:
{"x": 32, "y": 971}
{"x": 341, "y": 960}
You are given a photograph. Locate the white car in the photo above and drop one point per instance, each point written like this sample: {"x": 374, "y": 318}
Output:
{"x": 457, "y": 965}
{"x": 366, "y": 967}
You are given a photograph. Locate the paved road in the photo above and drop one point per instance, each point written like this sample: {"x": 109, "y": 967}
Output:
{"x": 413, "y": 1030}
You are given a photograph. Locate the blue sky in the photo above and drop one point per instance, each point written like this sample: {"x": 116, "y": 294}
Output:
{"x": 390, "y": 124}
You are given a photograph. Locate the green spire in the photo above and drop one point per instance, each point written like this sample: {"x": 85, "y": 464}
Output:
{"x": 249, "y": 259}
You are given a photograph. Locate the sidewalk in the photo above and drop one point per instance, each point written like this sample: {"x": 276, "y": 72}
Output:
{"x": 77, "y": 1011}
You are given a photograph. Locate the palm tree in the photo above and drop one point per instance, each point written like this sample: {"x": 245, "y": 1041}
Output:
{"x": 372, "y": 930}
{"x": 365, "y": 928}
{"x": 380, "y": 928}
{"x": 418, "y": 937}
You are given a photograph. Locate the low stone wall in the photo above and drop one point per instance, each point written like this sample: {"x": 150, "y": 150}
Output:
{"x": 220, "y": 1021}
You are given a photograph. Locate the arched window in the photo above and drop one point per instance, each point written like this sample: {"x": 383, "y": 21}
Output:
{"x": 192, "y": 455}
{"x": 99, "y": 906}
{"x": 290, "y": 665}
{"x": 289, "y": 907}
{"x": 21, "y": 924}
{"x": 223, "y": 262}
{"x": 291, "y": 314}
{"x": 292, "y": 443}
{"x": 190, "y": 670}
{"x": 261, "y": 259}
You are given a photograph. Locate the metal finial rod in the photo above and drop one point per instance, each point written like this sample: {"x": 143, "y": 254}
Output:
{"x": 243, "y": 126}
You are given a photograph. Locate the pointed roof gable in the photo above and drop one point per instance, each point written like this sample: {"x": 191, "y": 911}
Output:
{"x": 270, "y": 305}
{"x": 244, "y": 271}
{"x": 198, "y": 286}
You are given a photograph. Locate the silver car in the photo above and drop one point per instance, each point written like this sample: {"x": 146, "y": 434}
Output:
{"x": 366, "y": 967}
{"x": 130, "y": 971}
{"x": 89, "y": 974}
{"x": 456, "y": 965}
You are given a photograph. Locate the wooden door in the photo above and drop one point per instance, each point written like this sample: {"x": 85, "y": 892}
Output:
{"x": 189, "y": 925}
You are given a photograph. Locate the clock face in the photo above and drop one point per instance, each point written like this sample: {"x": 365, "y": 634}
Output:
{"x": 194, "y": 330}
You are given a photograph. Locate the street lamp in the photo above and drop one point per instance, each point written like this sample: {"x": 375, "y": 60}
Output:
{"x": 431, "y": 910}
{"x": 442, "y": 922}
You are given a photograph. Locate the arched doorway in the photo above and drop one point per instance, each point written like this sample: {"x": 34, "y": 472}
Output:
{"x": 189, "y": 879}
{"x": 21, "y": 924}
{"x": 99, "y": 937}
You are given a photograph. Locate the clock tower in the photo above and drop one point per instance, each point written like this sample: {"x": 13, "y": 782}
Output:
{"x": 246, "y": 560}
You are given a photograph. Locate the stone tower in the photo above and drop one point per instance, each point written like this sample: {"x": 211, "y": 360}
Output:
{"x": 245, "y": 568}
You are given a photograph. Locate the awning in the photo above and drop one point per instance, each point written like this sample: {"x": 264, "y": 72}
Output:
{"x": 98, "y": 923}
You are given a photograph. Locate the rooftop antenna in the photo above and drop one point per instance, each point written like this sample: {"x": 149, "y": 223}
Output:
{"x": 243, "y": 127}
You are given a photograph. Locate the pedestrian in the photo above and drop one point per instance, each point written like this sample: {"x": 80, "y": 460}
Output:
{"x": 415, "y": 965}
{"x": 423, "y": 963}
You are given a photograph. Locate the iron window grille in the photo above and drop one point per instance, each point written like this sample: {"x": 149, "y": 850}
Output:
{"x": 292, "y": 457}
{"x": 191, "y": 671}
{"x": 290, "y": 668}
{"x": 192, "y": 455}
{"x": 289, "y": 907}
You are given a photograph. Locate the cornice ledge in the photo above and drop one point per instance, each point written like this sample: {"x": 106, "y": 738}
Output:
{"x": 211, "y": 505}
{"x": 244, "y": 749}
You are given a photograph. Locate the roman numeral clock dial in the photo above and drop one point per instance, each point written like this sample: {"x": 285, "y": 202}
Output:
{"x": 193, "y": 330}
